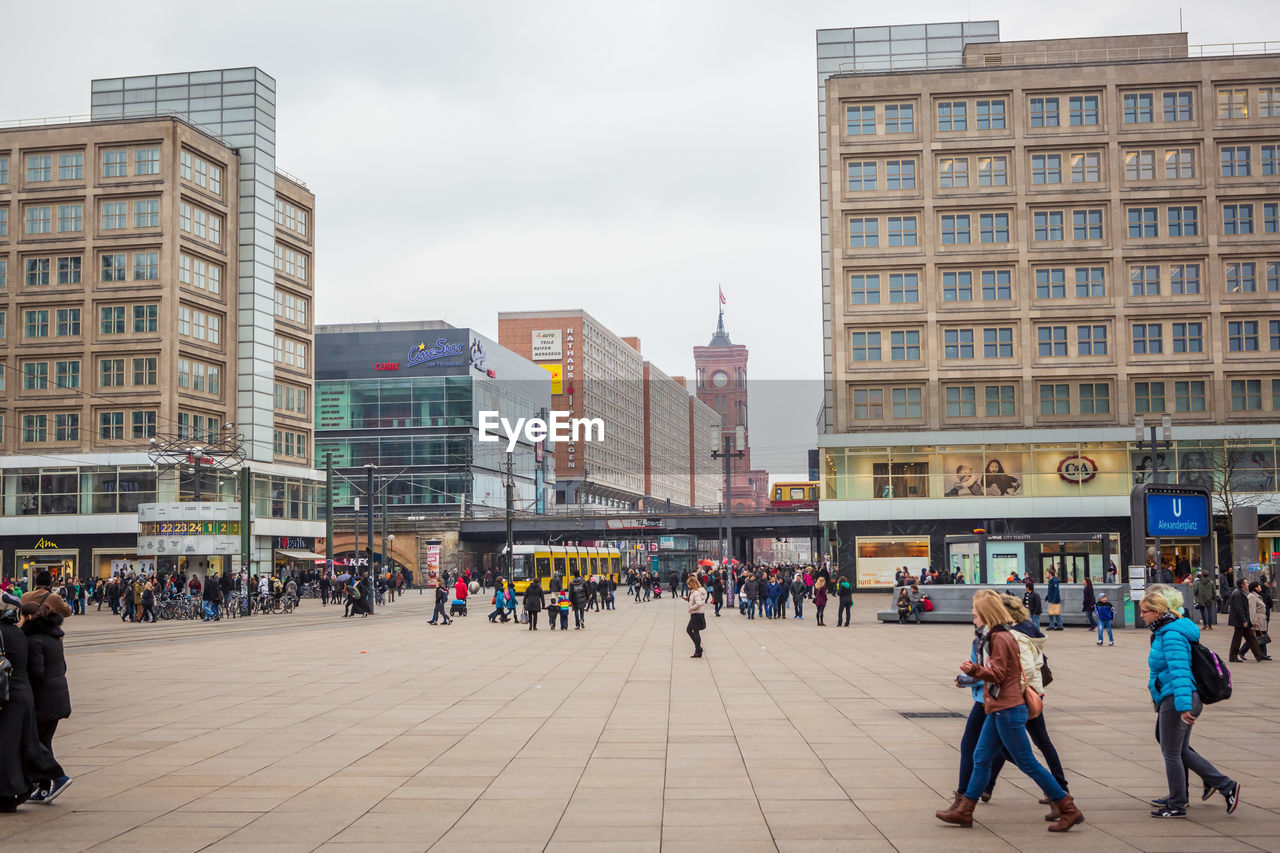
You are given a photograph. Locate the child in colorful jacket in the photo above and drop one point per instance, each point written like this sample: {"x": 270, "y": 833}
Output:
{"x": 1105, "y": 613}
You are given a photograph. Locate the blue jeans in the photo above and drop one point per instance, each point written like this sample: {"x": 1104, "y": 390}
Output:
{"x": 799, "y": 604}
{"x": 210, "y": 610}
{"x": 1008, "y": 728}
{"x": 1055, "y": 620}
{"x": 1105, "y": 626}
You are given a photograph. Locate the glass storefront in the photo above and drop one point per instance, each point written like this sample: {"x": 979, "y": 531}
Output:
{"x": 92, "y": 490}
{"x": 879, "y": 557}
{"x": 1029, "y": 557}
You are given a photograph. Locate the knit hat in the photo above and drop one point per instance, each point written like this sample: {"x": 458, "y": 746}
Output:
{"x": 43, "y": 578}
{"x": 41, "y": 602}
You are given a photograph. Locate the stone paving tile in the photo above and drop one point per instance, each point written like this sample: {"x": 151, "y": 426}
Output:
{"x": 384, "y": 733}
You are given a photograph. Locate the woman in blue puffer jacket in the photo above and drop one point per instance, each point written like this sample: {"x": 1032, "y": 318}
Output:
{"x": 1173, "y": 691}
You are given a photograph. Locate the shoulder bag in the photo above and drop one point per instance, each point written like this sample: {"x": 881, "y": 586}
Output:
{"x": 6, "y": 672}
{"x": 1035, "y": 705}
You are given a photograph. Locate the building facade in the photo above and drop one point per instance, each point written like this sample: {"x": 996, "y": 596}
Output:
{"x": 118, "y": 266}
{"x": 1030, "y": 248}
{"x": 721, "y": 377}
{"x": 407, "y": 397}
{"x": 666, "y": 440}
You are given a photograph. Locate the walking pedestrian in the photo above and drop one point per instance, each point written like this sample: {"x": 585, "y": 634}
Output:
{"x": 23, "y": 758}
{"x": 1031, "y": 601}
{"x": 1053, "y": 601}
{"x": 1206, "y": 597}
{"x": 1173, "y": 690}
{"x": 440, "y": 611}
{"x": 820, "y": 598}
{"x": 42, "y": 615}
{"x": 534, "y": 602}
{"x": 844, "y": 590}
{"x": 1105, "y": 613}
{"x": 797, "y": 595}
{"x": 697, "y": 599}
{"x": 578, "y": 598}
{"x": 1238, "y": 617}
{"x": 1089, "y": 602}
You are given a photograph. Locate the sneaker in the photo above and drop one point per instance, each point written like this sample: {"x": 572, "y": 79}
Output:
{"x": 1233, "y": 797}
{"x": 1111, "y": 643}
{"x": 1207, "y": 792}
{"x": 1170, "y": 811}
{"x": 1160, "y": 801}
{"x": 1099, "y": 642}
{"x": 59, "y": 785}
{"x": 39, "y": 796}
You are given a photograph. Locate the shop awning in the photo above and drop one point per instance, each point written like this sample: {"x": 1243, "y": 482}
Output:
{"x": 301, "y": 555}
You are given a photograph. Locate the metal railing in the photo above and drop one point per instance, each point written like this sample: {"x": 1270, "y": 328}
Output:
{"x": 998, "y": 59}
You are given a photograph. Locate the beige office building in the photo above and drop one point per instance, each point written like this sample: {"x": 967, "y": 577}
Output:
{"x": 1032, "y": 244}
{"x": 122, "y": 319}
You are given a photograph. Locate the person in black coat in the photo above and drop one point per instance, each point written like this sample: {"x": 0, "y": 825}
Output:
{"x": 1031, "y": 601}
{"x": 535, "y": 601}
{"x": 1238, "y": 618}
{"x": 23, "y": 758}
{"x": 43, "y": 614}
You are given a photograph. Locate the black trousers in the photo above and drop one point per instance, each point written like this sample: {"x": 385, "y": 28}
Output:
{"x": 697, "y": 624}
{"x": 44, "y": 731}
{"x": 1245, "y": 633}
{"x": 533, "y": 620}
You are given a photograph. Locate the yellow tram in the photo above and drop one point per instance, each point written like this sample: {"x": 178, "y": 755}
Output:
{"x": 541, "y": 561}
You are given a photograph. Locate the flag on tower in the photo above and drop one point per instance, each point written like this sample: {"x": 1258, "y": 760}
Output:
{"x": 722, "y": 299}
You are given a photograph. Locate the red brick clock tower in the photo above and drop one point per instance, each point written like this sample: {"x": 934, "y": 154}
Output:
{"x": 722, "y": 384}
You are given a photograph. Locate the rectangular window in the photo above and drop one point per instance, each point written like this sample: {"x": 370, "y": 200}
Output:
{"x": 1140, "y": 165}
{"x": 899, "y": 118}
{"x": 999, "y": 399}
{"x": 1091, "y": 282}
{"x": 40, "y": 219}
{"x": 66, "y": 374}
{"x": 962, "y": 401}
{"x": 906, "y": 403}
{"x": 955, "y": 229}
{"x": 1044, "y": 112}
{"x": 1047, "y": 225}
{"x": 990, "y": 114}
{"x": 953, "y": 172}
{"x": 111, "y": 320}
{"x": 864, "y": 233}
{"x": 68, "y": 322}
{"x": 70, "y": 218}
{"x": 1271, "y": 217}
{"x": 1046, "y": 168}
{"x": 1184, "y": 279}
{"x": 143, "y": 424}
{"x": 902, "y": 230}
{"x": 35, "y": 376}
{"x": 69, "y": 269}
{"x": 904, "y": 346}
{"x": 39, "y": 168}
{"x": 1188, "y": 396}
{"x": 1246, "y": 395}
{"x": 1086, "y": 223}
{"x": 111, "y": 372}
{"x": 957, "y": 344}
{"x": 146, "y": 213}
{"x": 145, "y": 371}
{"x": 1148, "y": 397}
{"x": 1188, "y": 337}
{"x": 37, "y": 272}
{"x": 114, "y": 215}
{"x": 1084, "y": 110}
{"x": 1086, "y": 167}
{"x": 868, "y": 404}
{"x": 1095, "y": 398}
{"x": 184, "y": 321}
{"x": 1269, "y": 160}
{"x": 1138, "y": 107}
{"x": 1177, "y": 106}
{"x": 110, "y": 426}
{"x": 1051, "y": 341}
{"x": 1273, "y": 277}
{"x": 952, "y": 115}
{"x": 4, "y": 222}
{"x": 115, "y": 163}
{"x": 993, "y": 227}
{"x": 1275, "y": 334}
{"x": 71, "y": 166}
{"x": 146, "y": 161}
{"x": 900, "y": 174}
{"x": 1242, "y": 336}
{"x": 1183, "y": 221}
{"x": 996, "y": 285}
{"x": 1091, "y": 340}
{"x": 864, "y": 289}
{"x": 1051, "y": 283}
{"x": 1147, "y": 339}
{"x": 4, "y": 170}
{"x": 862, "y": 176}
{"x": 35, "y": 428}
{"x": 860, "y": 120}
{"x": 1235, "y": 161}
{"x": 1144, "y": 222}
{"x": 146, "y": 318}
{"x": 35, "y": 323}
{"x": 1237, "y": 219}
{"x": 1233, "y": 103}
{"x": 997, "y": 342}
{"x": 146, "y": 266}
{"x": 1055, "y": 399}
{"x": 184, "y": 373}
{"x": 113, "y": 267}
{"x": 1242, "y": 278}
{"x": 993, "y": 171}
{"x": 904, "y": 287}
{"x": 1268, "y": 101}
{"x": 1179, "y": 163}
{"x": 864, "y": 346}
{"x": 957, "y": 286}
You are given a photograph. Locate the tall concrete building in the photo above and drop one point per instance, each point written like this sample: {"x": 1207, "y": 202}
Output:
{"x": 119, "y": 263}
{"x": 1031, "y": 246}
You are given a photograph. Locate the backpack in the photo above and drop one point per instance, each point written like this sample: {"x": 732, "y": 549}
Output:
{"x": 926, "y": 604}
{"x": 1213, "y": 679}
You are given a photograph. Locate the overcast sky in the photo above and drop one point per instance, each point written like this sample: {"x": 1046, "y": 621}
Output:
{"x": 624, "y": 158}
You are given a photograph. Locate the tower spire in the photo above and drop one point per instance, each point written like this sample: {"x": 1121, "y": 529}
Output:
{"x": 721, "y": 337}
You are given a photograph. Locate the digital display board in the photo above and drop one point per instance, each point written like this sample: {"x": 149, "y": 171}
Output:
{"x": 189, "y": 528}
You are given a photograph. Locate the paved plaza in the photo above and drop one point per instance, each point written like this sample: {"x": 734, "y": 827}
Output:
{"x": 313, "y": 732}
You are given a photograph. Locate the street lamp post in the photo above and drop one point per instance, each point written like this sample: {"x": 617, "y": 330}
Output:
{"x": 1166, "y": 434}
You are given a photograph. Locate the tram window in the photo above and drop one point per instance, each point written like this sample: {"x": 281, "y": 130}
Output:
{"x": 544, "y": 566}
{"x": 560, "y": 565}
{"x": 594, "y": 566}
{"x": 573, "y": 564}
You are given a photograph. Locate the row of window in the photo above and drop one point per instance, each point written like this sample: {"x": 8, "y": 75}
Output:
{"x": 199, "y": 376}
{"x": 1054, "y": 282}
{"x": 40, "y": 219}
{"x": 70, "y": 165}
{"x": 199, "y": 273}
{"x": 1080, "y": 110}
{"x": 291, "y": 217}
{"x": 200, "y": 223}
{"x": 1058, "y": 398}
{"x": 198, "y": 427}
{"x": 289, "y": 443}
{"x": 201, "y": 172}
{"x": 291, "y": 262}
{"x": 1144, "y": 222}
{"x": 290, "y": 307}
{"x": 291, "y": 353}
{"x": 69, "y": 269}
{"x": 199, "y": 325}
{"x": 291, "y": 398}
{"x": 112, "y": 373}
{"x": 1053, "y": 340}
{"x": 111, "y": 425}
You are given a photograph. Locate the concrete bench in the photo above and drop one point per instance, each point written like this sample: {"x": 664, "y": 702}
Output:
{"x": 953, "y": 602}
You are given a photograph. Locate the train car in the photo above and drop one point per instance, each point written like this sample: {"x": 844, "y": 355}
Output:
{"x": 793, "y": 496}
{"x": 542, "y": 561}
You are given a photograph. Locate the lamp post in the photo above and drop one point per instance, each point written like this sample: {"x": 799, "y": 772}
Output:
{"x": 1166, "y": 435}
{"x": 387, "y": 560}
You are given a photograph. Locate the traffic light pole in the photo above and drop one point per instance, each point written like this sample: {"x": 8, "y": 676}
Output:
{"x": 726, "y": 455}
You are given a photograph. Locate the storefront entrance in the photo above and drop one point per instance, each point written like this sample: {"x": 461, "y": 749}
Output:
{"x": 1072, "y": 567}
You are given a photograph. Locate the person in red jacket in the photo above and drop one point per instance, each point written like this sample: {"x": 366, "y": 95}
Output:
{"x": 460, "y": 590}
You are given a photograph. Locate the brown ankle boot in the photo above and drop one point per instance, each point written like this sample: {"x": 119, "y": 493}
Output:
{"x": 1068, "y": 815}
{"x": 956, "y": 797}
{"x": 961, "y": 814}
{"x": 1053, "y": 814}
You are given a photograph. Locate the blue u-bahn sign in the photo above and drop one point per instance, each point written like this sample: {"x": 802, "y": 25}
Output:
{"x": 1177, "y": 515}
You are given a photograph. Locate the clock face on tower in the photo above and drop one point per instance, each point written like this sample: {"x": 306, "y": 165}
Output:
{"x": 719, "y": 379}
